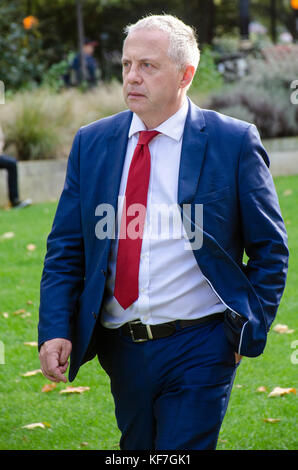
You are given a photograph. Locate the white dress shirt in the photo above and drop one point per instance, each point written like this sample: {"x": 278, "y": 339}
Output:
{"x": 171, "y": 284}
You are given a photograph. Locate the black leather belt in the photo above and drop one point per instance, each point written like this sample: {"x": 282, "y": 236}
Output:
{"x": 140, "y": 332}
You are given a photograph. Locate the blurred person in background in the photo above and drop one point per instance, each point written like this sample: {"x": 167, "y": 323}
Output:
{"x": 90, "y": 64}
{"x": 10, "y": 164}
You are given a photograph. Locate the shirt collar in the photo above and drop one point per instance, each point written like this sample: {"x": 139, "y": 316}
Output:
{"x": 172, "y": 127}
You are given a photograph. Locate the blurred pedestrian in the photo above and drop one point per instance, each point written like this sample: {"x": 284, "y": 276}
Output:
{"x": 90, "y": 64}
{"x": 10, "y": 164}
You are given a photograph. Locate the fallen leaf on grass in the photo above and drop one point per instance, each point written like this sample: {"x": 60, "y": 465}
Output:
{"x": 31, "y": 343}
{"x": 74, "y": 390}
{"x": 30, "y": 373}
{"x": 25, "y": 315}
{"x": 271, "y": 420}
{"x": 287, "y": 192}
{"x": 22, "y": 312}
{"x": 279, "y": 391}
{"x": 37, "y": 425}
{"x": 262, "y": 389}
{"x": 48, "y": 387}
{"x": 31, "y": 247}
{"x": 19, "y": 311}
{"x": 7, "y": 235}
{"x": 282, "y": 329}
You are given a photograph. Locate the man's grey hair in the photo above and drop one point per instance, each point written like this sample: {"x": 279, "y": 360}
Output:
{"x": 183, "y": 48}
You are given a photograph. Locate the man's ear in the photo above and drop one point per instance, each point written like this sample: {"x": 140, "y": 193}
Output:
{"x": 187, "y": 77}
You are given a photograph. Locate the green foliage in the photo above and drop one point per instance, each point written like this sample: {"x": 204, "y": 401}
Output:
{"x": 263, "y": 95}
{"x": 207, "y": 77}
{"x": 35, "y": 124}
{"x": 41, "y": 123}
{"x": 53, "y": 77}
{"x": 22, "y": 59}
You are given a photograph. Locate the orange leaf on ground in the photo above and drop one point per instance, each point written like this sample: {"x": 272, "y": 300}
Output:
{"x": 7, "y": 235}
{"x": 19, "y": 311}
{"x": 34, "y": 426}
{"x": 75, "y": 390}
{"x": 271, "y": 420}
{"x": 30, "y": 373}
{"x": 262, "y": 389}
{"x": 48, "y": 387}
{"x": 282, "y": 329}
{"x": 279, "y": 391}
{"x": 31, "y": 247}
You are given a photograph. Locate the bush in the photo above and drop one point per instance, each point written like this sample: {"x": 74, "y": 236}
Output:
{"x": 207, "y": 77}
{"x": 263, "y": 96}
{"x": 32, "y": 133}
{"x": 22, "y": 61}
{"x": 41, "y": 124}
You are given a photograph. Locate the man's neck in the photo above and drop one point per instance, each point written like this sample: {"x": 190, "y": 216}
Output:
{"x": 151, "y": 122}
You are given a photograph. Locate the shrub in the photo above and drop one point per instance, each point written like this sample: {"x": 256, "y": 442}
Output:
{"x": 207, "y": 77}
{"x": 22, "y": 62}
{"x": 263, "y": 96}
{"x": 41, "y": 124}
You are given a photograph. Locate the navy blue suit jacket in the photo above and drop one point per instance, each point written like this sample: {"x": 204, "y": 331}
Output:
{"x": 224, "y": 167}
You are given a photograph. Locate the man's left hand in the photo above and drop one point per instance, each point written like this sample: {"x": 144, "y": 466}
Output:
{"x": 238, "y": 358}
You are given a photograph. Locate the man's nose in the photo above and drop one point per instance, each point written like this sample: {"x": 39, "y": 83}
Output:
{"x": 133, "y": 75}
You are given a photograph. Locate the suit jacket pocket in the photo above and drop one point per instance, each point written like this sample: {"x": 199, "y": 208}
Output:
{"x": 205, "y": 198}
{"x": 233, "y": 326}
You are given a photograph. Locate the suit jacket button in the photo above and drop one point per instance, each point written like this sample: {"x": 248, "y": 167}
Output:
{"x": 94, "y": 315}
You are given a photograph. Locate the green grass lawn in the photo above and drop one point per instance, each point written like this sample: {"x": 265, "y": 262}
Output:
{"x": 86, "y": 421}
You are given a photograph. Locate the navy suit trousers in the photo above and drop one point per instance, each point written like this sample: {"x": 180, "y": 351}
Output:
{"x": 170, "y": 393}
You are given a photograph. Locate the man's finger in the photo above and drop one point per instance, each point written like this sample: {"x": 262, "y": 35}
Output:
{"x": 65, "y": 352}
{"x": 52, "y": 368}
{"x": 50, "y": 377}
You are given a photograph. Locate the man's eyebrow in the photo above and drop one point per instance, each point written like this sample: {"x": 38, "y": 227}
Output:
{"x": 145, "y": 59}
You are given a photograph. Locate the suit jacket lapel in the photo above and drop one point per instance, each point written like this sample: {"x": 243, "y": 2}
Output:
{"x": 192, "y": 154}
{"x": 116, "y": 148}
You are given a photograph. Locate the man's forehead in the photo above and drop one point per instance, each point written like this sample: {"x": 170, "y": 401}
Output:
{"x": 146, "y": 35}
{"x": 147, "y": 42}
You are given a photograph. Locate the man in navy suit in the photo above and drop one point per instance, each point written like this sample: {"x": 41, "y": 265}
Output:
{"x": 168, "y": 316}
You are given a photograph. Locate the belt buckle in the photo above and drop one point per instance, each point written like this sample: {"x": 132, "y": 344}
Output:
{"x": 140, "y": 340}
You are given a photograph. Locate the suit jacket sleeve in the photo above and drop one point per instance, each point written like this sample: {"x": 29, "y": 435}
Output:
{"x": 63, "y": 272}
{"x": 263, "y": 229}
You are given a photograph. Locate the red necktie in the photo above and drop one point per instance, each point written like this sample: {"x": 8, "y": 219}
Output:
{"x": 130, "y": 242}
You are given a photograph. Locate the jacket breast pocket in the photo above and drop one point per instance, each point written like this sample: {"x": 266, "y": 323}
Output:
{"x": 205, "y": 198}
{"x": 217, "y": 213}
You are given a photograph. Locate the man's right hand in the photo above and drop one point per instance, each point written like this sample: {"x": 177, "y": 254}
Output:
{"x": 53, "y": 357}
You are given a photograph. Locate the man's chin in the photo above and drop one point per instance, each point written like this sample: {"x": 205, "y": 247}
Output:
{"x": 136, "y": 106}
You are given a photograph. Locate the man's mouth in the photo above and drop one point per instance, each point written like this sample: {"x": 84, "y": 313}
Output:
{"x": 134, "y": 94}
